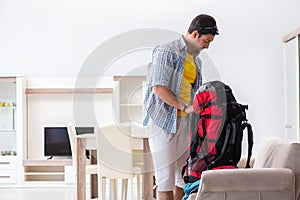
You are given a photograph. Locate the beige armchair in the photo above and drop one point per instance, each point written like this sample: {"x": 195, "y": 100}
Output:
{"x": 274, "y": 176}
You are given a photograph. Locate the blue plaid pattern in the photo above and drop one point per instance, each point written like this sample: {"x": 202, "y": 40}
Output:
{"x": 166, "y": 69}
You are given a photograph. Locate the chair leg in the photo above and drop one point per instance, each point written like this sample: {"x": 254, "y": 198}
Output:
{"x": 124, "y": 189}
{"x": 113, "y": 189}
{"x": 102, "y": 193}
{"x": 130, "y": 186}
{"x": 138, "y": 186}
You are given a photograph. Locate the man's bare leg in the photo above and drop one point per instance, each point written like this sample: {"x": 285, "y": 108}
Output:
{"x": 168, "y": 195}
{"x": 178, "y": 193}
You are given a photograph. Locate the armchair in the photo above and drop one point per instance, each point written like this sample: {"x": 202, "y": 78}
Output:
{"x": 274, "y": 176}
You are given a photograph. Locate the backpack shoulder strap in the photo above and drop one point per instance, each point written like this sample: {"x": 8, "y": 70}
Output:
{"x": 194, "y": 134}
{"x": 250, "y": 142}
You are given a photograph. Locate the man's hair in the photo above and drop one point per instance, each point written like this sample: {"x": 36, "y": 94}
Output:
{"x": 204, "y": 24}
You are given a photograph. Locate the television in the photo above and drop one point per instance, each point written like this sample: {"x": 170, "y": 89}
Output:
{"x": 57, "y": 143}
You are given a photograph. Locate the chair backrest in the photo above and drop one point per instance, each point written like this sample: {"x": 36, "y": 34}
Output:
{"x": 72, "y": 137}
{"x": 281, "y": 153}
{"x": 114, "y": 151}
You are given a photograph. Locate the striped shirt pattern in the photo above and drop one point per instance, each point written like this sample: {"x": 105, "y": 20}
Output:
{"x": 166, "y": 69}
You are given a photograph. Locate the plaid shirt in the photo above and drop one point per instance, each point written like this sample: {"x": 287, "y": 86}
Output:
{"x": 166, "y": 69}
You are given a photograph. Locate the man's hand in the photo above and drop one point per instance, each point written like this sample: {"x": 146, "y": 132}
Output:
{"x": 189, "y": 109}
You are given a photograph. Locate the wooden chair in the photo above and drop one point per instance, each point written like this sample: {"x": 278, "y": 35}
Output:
{"x": 115, "y": 159}
{"x": 90, "y": 169}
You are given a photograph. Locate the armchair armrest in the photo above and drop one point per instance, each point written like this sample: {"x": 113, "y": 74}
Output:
{"x": 247, "y": 184}
{"x": 247, "y": 179}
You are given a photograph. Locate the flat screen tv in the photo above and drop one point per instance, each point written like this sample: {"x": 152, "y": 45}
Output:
{"x": 56, "y": 140}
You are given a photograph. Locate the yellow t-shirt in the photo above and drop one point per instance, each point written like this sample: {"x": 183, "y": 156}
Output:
{"x": 189, "y": 77}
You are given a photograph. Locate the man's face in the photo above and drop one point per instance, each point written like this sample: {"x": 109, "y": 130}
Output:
{"x": 203, "y": 40}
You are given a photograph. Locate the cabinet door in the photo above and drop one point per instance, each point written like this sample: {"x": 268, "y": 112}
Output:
{"x": 7, "y": 117}
{"x": 291, "y": 55}
{"x": 8, "y": 176}
{"x": 12, "y": 129}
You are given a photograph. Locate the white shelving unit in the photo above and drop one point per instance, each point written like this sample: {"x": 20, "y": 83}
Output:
{"x": 45, "y": 172}
{"x": 128, "y": 108}
{"x": 8, "y": 170}
{"x": 50, "y": 102}
{"x": 35, "y": 103}
{"x": 50, "y": 173}
{"x": 129, "y": 94}
{"x": 12, "y": 130}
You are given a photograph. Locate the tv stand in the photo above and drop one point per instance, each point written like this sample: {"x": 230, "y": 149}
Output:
{"x": 46, "y": 171}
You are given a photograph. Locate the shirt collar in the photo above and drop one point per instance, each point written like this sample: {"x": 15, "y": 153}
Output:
{"x": 183, "y": 43}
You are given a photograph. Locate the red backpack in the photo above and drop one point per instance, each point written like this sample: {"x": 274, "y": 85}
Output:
{"x": 216, "y": 131}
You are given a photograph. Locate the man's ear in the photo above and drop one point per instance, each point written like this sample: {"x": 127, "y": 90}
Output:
{"x": 195, "y": 34}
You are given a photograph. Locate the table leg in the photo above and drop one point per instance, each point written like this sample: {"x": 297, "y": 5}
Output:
{"x": 94, "y": 177}
{"x": 148, "y": 173}
{"x": 81, "y": 170}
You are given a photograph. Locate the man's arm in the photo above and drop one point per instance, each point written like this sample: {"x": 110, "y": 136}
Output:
{"x": 168, "y": 97}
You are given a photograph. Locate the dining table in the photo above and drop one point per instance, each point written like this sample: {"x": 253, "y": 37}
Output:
{"x": 88, "y": 142}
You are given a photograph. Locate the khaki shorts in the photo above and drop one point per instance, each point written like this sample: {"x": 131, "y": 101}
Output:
{"x": 169, "y": 153}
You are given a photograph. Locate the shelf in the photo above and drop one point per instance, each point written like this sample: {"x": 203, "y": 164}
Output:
{"x": 8, "y": 107}
{"x": 8, "y": 79}
{"x": 44, "y": 178}
{"x": 43, "y": 173}
{"x": 54, "y": 162}
{"x": 8, "y": 131}
{"x": 133, "y": 78}
{"x": 69, "y": 90}
{"x": 131, "y": 105}
{"x": 129, "y": 98}
{"x": 291, "y": 35}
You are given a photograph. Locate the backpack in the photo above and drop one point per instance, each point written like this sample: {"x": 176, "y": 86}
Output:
{"x": 216, "y": 131}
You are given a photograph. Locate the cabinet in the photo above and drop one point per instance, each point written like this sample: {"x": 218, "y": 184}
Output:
{"x": 12, "y": 129}
{"x": 8, "y": 117}
{"x": 291, "y": 54}
{"x": 8, "y": 167}
{"x": 129, "y": 98}
{"x": 45, "y": 172}
{"x": 46, "y": 99}
{"x": 128, "y": 101}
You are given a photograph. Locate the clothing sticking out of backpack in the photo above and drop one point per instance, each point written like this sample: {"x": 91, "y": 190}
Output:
{"x": 216, "y": 131}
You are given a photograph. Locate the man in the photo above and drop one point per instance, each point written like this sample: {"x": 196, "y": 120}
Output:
{"x": 174, "y": 75}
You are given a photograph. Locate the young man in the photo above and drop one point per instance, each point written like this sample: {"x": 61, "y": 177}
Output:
{"x": 174, "y": 75}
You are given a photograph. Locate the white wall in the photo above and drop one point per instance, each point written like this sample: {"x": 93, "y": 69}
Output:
{"x": 54, "y": 37}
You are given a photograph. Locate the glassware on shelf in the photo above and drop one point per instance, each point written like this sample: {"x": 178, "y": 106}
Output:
{"x": 7, "y": 116}
{"x": 8, "y": 153}
{"x": 5, "y": 153}
{"x": 8, "y": 104}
